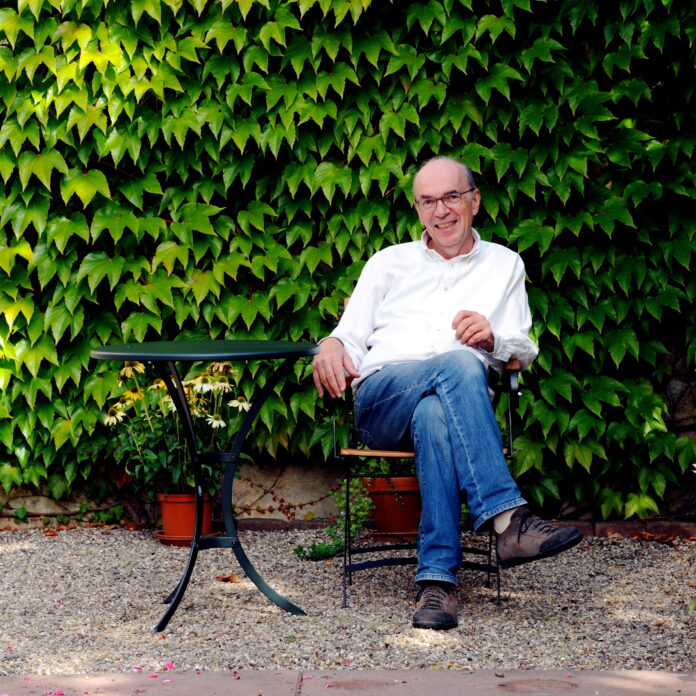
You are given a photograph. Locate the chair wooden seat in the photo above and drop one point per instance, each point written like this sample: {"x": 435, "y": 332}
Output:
{"x": 357, "y": 452}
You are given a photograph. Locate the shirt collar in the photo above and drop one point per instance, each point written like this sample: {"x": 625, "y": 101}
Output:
{"x": 435, "y": 256}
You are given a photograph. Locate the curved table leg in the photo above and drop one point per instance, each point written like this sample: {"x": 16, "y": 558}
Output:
{"x": 239, "y": 552}
{"x": 230, "y": 526}
{"x": 177, "y": 595}
{"x": 175, "y": 388}
{"x": 172, "y": 380}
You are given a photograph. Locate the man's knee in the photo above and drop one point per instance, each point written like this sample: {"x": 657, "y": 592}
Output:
{"x": 467, "y": 365}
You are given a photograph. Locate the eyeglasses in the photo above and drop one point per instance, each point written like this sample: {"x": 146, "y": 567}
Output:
{"x": 451, "y": 200}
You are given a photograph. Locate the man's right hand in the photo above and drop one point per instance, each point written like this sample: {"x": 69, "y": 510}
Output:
{"x": 330, "y": 366}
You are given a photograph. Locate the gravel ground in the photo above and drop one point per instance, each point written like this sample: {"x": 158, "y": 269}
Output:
{"x": 85, "y": 600}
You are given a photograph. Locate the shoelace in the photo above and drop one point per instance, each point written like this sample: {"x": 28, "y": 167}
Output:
{"x": 534, "y": 523}
{"x": 432, "y": 597}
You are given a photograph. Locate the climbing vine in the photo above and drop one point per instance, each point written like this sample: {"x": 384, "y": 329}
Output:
{"x": 200, "y": 168}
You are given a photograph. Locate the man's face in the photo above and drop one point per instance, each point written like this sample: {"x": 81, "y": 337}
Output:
{"x": 449, "y": 228}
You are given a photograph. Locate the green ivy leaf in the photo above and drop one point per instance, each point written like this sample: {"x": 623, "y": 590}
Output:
{"x": 97, "y": 266}
{"x": 84, "y": 184}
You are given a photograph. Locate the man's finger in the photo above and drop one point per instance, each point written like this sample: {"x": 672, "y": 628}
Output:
{"x": 465, "y": 326}
{"x": 460, "y": 316}
{"x": 350, "y": 367}
{"x": 317, "y": 383}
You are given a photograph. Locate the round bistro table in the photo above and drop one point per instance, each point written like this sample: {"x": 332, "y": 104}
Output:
{"x": 164, "y": 355}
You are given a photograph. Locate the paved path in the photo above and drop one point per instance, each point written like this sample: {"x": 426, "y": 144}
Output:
{"x": 379, "y": 682}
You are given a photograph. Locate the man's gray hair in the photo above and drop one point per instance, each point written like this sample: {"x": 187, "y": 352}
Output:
{"x": 468, "y": 174}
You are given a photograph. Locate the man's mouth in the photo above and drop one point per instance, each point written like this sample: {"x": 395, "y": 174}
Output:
{"x": 445, "y": 225}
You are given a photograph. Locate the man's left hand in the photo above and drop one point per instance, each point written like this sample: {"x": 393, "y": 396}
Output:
{"x": 472, "y": 329}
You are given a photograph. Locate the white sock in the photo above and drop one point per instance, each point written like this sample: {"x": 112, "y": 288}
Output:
{"x": 501, "y": 521}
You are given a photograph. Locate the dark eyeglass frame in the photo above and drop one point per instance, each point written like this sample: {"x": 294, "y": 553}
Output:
{"x": 431, "y": 203}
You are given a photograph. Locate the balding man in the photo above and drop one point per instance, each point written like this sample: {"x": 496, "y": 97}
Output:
{"x": 425, "y": 322}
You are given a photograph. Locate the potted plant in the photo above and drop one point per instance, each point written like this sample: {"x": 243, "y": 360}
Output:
{"x": 393, "y": 489}
{"x": 150, "y": 442}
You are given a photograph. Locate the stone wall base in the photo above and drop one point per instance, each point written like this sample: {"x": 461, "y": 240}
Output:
{"x": 648, "y": 530}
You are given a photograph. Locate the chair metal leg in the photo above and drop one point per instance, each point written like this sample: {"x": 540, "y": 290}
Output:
{"x": 497, "y": 582}
{"x": 347, "y": 541}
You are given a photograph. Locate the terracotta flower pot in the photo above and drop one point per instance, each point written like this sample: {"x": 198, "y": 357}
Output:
{"x": 397, "y": 504}
{"x": 179, "y": 517}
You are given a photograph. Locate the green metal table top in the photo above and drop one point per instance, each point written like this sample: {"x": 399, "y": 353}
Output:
{"x": 162, "y": 351}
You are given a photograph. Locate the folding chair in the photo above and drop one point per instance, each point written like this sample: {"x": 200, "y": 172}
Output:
{"x": 354, "y": 449}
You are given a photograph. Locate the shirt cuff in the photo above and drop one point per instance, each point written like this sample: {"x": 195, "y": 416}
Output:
{"x": 501, "y": 352}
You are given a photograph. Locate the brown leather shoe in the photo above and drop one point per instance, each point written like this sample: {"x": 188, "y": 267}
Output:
{"x": 435, "y": 608}
{"x": 529, "y": 538}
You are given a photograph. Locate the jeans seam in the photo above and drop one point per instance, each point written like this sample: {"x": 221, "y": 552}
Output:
{"x": 394, "y": 395}
{"x": 436, "y": 576}
{"x": 463, "y": 439}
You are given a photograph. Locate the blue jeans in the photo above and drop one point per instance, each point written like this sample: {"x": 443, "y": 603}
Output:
{"x": 441, "y": 407}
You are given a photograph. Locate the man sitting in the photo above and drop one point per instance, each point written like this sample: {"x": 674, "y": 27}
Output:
{"x": 425, "y": 322}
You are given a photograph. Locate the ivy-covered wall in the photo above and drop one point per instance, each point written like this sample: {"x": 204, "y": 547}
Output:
{"x": 200, "y": 168}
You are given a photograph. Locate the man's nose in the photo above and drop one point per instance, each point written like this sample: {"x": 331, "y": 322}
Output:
{"x": 440, "y": 208}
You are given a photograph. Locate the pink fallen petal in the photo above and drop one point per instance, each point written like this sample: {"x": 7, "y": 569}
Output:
{"x": 347, "y": 662}
{"x": 329, "y": 686}
{"x": 59, "y": 693}
{"x": 9, "y": 647}
{"x": 137, "y": 668}
{"x": 307, "y": 676}
{"x": 152, "y": 676}
{"x": 168, "y": 665}
{"x": 166, "y": 681}
{"x": 27, "y": 678}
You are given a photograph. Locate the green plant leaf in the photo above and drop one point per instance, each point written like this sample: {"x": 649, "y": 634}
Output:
{"x": 84, "y": 184}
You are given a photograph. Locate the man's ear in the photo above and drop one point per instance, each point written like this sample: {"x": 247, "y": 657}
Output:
{"x": 476, "y": 203}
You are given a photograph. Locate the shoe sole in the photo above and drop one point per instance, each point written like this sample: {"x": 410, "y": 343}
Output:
{"x": 435, "y": 626}
{"x": 520, "y": 560}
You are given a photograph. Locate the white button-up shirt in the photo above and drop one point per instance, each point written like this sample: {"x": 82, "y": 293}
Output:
{"x": 407, "y": 296}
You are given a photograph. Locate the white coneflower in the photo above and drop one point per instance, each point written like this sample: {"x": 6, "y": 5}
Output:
{"x": 202, "y": 384}
{"x": 222, "y": 386}
{"x": 241, "y": 403}
{"x": 114, "y": 416}
{"x": 215, "y": 421}
{"x": 129, "y": 368}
